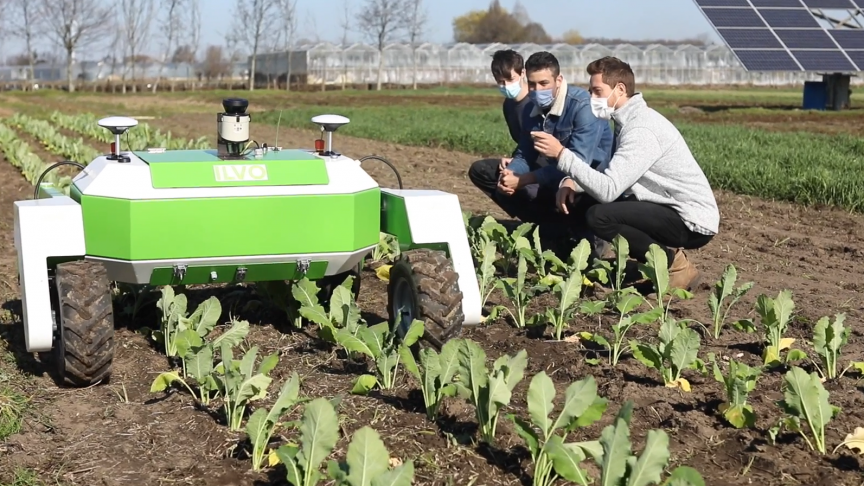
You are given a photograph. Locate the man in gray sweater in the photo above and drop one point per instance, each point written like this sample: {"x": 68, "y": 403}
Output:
{"x": 652, "y": 190}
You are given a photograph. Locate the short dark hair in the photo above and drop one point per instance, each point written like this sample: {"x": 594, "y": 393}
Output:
{"x": 543, "y": 60}
{"x": 505, "y": 61}
{"x": 614, "y": 71}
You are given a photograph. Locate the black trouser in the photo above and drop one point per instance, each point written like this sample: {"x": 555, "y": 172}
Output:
{"x": 641, "y": 224}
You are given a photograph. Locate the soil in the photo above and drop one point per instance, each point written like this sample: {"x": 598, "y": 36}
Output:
{"x": 119, "y": 433}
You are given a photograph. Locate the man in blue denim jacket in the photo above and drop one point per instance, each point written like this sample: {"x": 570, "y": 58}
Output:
{"x": 526, "y": 189}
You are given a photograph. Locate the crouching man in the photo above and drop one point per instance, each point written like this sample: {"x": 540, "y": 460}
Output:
{"x": 667, "y": 199}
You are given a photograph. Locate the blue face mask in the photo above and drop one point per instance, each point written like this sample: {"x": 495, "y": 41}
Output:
{"x": 543, "y": 98}
{"x": 511, "y": 91}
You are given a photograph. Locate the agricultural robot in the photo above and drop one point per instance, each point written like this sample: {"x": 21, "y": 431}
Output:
{"x": 245, "y": 212}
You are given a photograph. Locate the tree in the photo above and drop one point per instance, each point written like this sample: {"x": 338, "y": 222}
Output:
{"x": 254, "y": 19}
{"x": 215, "y": 65}
{"x": 24, "y": 23}
{"x": 416, "y": 25}
{"x": 137, "y": 15}
{"x": 171, "y": 25}
{"x": 73, "y": 24}
{"x": 572, "y": 37}
{"x": 496, "y": 24}
{"x": 288, "y": 9}
{"x": 380, "y": 21}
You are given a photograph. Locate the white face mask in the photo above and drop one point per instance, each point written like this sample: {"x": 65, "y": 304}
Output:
{"x": 601, "y": 109}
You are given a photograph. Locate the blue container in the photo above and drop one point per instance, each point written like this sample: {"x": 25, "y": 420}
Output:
{"x": 815, "y": 95}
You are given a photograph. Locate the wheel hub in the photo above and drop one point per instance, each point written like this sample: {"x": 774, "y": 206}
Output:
{"x": 403, "y": 306}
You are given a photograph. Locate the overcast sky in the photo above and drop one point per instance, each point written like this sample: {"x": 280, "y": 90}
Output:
{"x": 630, "y": 19}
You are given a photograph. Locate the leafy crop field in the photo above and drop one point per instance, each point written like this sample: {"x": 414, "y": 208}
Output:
{"x": 574, "y": 377}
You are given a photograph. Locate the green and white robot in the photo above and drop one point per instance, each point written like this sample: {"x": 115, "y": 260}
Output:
{"x": 244, "y": 212}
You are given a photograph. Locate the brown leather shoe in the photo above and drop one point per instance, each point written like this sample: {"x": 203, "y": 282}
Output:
{"x": 682, "y": 273}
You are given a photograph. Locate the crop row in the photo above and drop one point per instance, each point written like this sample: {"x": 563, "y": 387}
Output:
{"x": 18, "y": 153}
{"x": 798, "y": 167}
{"x": 139, "y": 138}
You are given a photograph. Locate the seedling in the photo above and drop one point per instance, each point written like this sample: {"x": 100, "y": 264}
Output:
{"x": 738, "y": 383}
{"x": 520, "y": 292}
{"x": 627, "y": 301}
{"x": 775, "y": 315}
{"x": 723, "y": 289}
{"x": 678, "y": 350}
{"x": 618, "y": 466}
{"x": 487, "y": 391}
{"x": 656, "y": 269}
{"x": 828, "y": 340}
{"x": 379, "y": 344}
{"x": 552, "y": 457}
{"x": 367, "y": 463}
{"x": 262, "y": 422}
{"x": 435, "y": 374}
{"x": 806, "y": 400}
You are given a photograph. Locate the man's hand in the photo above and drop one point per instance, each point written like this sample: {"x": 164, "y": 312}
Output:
{"x": 546, "y": 144}
{"x": 505, "y": 161}
{"x": 566, "y": 195}
{"x": 508, "y": 182}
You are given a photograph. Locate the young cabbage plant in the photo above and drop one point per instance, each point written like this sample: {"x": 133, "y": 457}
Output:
{"x": 828, "y": 340}
{"x": 614, "y": 272}
{"x": 553, "y": 458}
{"x": 383, "y": 347}
{"x": 541, "y": 258}
{"x": 240, "y": 383}
{"x": 343, "y": 313}
{"x": 656, "y": 269}
{"x": 486, "y": 271}
{"x": 678, "y": 350}
{"x": 806, "y": 400}
{"x": 738, "y": 383}
{"x": 775, "y": 315}
{"x": 723, "y": 289}
{"x": 199, "y": 365}
{"x": 520, "y": 292}
{"x": 626, "y": 302}
{"x": 367, "y": 463}
{"x": 618, "y": 466}
{"x": 487, "y": 391}
{"x": 262, "y": 423}
{"x": 387, "y": 249}
{"x": 435, "y": 374}
{"x": 319, "y": 432}
{"x": 173, "y": 307}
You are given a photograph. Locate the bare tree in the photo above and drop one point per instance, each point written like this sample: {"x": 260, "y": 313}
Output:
{"x": 345, "y": 23}
{"x": 381, "y": 21}
{"x": 255, "y": 18}
{"x": 171, "y": 25}
{"x": 289, "y": 24}
{"x": 137, "y": 15}
{"x": 25, "y": 21}
{"x": 415, "y": 24}
{"x": 73, "y": 24}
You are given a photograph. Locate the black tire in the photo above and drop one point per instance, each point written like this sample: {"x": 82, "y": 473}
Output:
{"x": 84, "y": 347}
{"x": 426, "y": 285}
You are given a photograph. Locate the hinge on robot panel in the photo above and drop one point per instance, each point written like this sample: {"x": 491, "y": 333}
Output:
{"x": 179, "y": 272}
{"x": 303, "y": 266}
{"x": 241, "y": 274}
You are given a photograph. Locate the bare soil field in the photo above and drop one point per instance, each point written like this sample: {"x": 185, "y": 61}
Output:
{"x": 119, "y": 433}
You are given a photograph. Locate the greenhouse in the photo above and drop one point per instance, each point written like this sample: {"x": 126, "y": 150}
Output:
{"x": 654, "y": 64}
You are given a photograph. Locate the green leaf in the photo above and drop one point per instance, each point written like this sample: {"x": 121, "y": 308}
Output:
{"x": 806, "y": 398}
{"x": 647, "y": 470}
{"x": 415, "y": 331}
{"x": 527, "y": 433}
{"x": 363, "y": 384}
{"x": 685, "y": 476}
{"x": 164, "y": 380}
{"x": 287, "y": 455}
{"x": 234, "y": 335}
{"x": 541, "y": 396}
{"x": 208, "y": 312}
{"x": 305, "y": 292}
{"x": 615, "y": 440}
{"x": 367, "y": 457}
{"x": 578, "y": 398}
{"x": 319, "y": 432}
{"x": 400, "y": 476}
{"x": 566, "y": 459}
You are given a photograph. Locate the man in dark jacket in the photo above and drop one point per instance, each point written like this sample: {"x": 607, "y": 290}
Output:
{"x": 525, "y": 186}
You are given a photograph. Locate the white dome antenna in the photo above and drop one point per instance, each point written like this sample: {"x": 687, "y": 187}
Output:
{"x": 329, "y": 124}
{"x": 118, "y": 125}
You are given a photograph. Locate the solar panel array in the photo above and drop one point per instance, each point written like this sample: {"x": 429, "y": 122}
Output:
{"x": 783, "y": 35}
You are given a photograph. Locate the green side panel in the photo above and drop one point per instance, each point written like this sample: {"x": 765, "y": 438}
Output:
{"x": 258, "y": 272}
{"x": 203, "y": 168}
{"x": 394, "y": 219}
{"x": 234, "y": 226}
